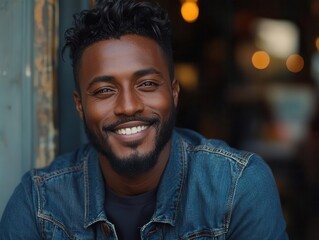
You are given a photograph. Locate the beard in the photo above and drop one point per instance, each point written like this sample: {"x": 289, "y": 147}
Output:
{"x": 136, "y": 163}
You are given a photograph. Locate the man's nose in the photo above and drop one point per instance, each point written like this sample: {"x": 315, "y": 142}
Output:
{"x": 128, "y": 103}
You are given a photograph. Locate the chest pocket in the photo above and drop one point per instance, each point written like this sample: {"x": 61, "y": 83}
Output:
{"x": 203, "y": 235}
{"x": 221, "y": 237}
{"x": 55, "y": 231}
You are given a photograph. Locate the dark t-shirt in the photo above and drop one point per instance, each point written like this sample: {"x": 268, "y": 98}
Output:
{"x": 129, "y": 213}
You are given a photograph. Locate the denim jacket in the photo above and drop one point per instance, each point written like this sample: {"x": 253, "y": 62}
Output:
{"x": 207, "y": 191}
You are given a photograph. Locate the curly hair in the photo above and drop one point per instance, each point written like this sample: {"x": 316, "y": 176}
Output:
{"x": 111, "y": 19}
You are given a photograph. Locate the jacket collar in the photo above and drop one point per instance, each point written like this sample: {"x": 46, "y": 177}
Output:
{"x": 169, "y": 190}
{"x": 172, "y": 182}
{"x": 94, "y": 188}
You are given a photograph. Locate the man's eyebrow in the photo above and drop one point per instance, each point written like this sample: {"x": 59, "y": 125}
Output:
{"x": 148, "y": 71}
{"x": 137, "y": 74}
{"x": 100, "y": 79}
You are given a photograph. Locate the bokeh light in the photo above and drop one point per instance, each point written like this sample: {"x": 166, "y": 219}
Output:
{"x": 317, "y": 43}
{"x": 295, "y": 63}
{"x": 260, "y": 60}
{"x": 187, "y": 75}
{"x": 279, "y": 38}
{"x": 190, "y": 11}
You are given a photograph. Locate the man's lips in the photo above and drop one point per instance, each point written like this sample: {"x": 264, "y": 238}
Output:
{"x": 131, "y": 132}
{"x": 130, "y": 125}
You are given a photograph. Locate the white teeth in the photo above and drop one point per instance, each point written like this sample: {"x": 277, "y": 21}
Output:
{"x": 134, "y": 130}
{"x": 129, "y": 131}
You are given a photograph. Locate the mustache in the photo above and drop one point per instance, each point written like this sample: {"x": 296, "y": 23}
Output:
{"x": 149, "y": 120}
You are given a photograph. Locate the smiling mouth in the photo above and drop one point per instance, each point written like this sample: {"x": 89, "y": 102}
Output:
{"x": 131, "y": 130}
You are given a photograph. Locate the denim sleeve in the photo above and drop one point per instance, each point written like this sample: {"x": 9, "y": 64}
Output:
{"x": 257, "y": 212}
{"x": 19, "y": 217}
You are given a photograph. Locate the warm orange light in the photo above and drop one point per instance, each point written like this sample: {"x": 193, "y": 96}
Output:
{"x": 260, "y": 60}
{"x": 190, "y": 11}
{"x": 317, "y": 43}
{"x": 187, "y": 75}
{"x": 295, "y": 63}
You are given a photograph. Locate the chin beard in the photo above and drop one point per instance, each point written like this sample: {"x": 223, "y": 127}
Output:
{"x": 136, "y": 163}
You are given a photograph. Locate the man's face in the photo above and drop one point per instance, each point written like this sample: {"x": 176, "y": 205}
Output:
{"x": 127, "y": 101}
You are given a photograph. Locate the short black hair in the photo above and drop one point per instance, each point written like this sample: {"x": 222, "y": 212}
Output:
{"x": 111, "y": 19}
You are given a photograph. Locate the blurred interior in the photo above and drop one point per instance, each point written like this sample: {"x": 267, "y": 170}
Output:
{"x": 248, "y": 70}
{"x": 249, "y": 75}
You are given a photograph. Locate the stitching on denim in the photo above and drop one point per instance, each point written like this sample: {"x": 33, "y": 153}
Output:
{"x": 57, "y": 173}
{"x": 241, "y": 159}
{"x": 181, "y": 183}
{"x": 86, "y": 191}
{"x": 85, "y": 160}
{"x": 56, "y": 223}
{"x": 230, "y": 202}
{"x": 36, "y": 183}
{"x": 204, "y": 233}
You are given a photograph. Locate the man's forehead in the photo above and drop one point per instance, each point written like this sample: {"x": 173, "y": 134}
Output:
{"x": 129, "y": 53}
{"x": 122, "y": 47}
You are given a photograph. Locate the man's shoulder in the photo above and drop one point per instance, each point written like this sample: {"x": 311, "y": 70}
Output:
{"x": 199, "y": 146}
{"x": 66, "y": 162}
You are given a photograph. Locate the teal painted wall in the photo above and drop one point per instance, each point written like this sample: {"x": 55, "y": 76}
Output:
{"x": 16, "y": 98}
{"x": 25, "y": 141}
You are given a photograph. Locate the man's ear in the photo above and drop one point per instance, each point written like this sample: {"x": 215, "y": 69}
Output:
{"x": 175, "y": 89}
{"x": 78, "y": 104}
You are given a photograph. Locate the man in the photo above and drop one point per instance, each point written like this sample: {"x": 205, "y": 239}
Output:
{"x": 139, "y": 178}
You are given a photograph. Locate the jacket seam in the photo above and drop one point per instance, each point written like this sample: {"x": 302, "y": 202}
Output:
{"x": 181, "y": 184}
{"x": 37, "y": 179}
{"x": 231, "y": 199}
{"x": 204, "y": 233}
{"x": 86, "y": 192}
{"x": 39, "y": 205}
{"x": 55, "y": 222}
{"x": 242, "y": 160}
{"x": 57, "y": 173}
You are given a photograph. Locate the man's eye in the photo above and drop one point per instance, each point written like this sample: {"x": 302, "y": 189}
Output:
{"x": 103, "y": 91}
{"x": 148, "y": 84}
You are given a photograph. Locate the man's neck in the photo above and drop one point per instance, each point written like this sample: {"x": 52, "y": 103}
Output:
{"x": 134, "y": 185}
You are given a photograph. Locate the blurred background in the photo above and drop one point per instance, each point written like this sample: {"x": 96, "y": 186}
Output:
{"x": 249, "y": 74}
